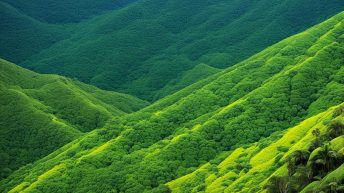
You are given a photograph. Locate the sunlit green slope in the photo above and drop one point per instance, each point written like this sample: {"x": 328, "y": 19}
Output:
{"x": 40, "y": 113}
{"x": 290, "y": 161}
{"x": 146, "y": 151}
{"x": 148, "y": 45}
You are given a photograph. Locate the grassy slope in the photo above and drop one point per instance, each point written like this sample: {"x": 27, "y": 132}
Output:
{"x": 23, "y": 36}
{"x": 262, "y": 160}
{"x": 40, "y": 113}
{"x": 271, "y": 91}
{"x": 140, "y": 52}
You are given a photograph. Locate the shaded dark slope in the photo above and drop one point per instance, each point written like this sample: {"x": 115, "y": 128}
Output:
{"x": 269, "y": 92}
{"x": 40, "y": 113}
{"x": 23, "y": 36}
{"x": 70, "y": 11}
{"x": 148, "y": 45}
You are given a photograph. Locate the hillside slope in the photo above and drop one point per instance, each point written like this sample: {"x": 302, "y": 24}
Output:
{"x": 67, "y": 11}
{"x": 277, "y": 89}
{"x": 27, "y": 27}
{"x": 284, "y": 162}
{"x": 23, "y": 36}
{"x": 148, "y": 45}
{"x": 40, "y": 113}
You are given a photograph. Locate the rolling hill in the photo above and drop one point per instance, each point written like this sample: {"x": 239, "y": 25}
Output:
{"x": 144, "y": 48}
{"x": 67, "y": 11}
{"x": 257, "y": 126}
{"x": 23, "y": 36}
{"x": 28, "y": 27}
{"x": 40, "y": 113}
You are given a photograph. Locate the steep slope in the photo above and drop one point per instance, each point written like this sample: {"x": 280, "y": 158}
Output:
{"x": 284, "y": 162}
{"x": 274, "y": 90}
{"x": 145, "y": 46}
{"x": 40, "y": 113}
{"x": 23, "y": 36}
{"x": 199, "y": 72}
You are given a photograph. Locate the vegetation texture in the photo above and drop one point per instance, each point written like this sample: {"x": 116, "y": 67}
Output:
{"x": 271, "y": 123}
{"x": 40, "y": 113}
{"x": 146, "y": 48}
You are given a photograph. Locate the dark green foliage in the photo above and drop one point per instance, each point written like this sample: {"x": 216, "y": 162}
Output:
{"x": 27, "y": 27}
{"x": 336, "y": 129}
{"x": 147, "y": 53}
{"x": 278, "y": 184}
{"x": 299, "y": 157}
{"x": 324, "y": 161}
{"x": 67, "y": 11}
{"x": 161, "y": 189}
{"x": 22, "y": 36}
{"x": 199, "y": 72}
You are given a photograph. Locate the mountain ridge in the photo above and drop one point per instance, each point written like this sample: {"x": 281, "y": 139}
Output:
{"x": 122, "y": 45}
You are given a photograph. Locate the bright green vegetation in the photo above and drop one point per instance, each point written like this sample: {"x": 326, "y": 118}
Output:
{"x": 305, "y": 158}
{"x": 147, "y": 47}
{"x": 40, "y": 113}
{"x": 237, "y": 130}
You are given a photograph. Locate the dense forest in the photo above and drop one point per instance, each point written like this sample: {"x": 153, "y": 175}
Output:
{"x": 146, "y": 53}
{"x": 40, "y": 113}
{"x": 171, "y": 96}
{"x": 272, "y": 121}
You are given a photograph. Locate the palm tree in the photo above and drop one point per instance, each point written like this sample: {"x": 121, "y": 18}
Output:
{"x": 301, "y": 157}
{"x": 324, "y": 161}
{"x": 317, "y": 141}
{"x": 336, "y": 129}
{"x": 278, "y": 184}
{"x": 316, "y": 132}
{"x": 298, "y": 157}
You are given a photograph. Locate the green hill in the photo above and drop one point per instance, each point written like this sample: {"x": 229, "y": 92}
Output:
{"x": 40, "y": 113}
{"x": 27, "y": 27}
{"x": 230, "y": 129}
{"x": 149, "y": 44}
{"x": 199, "y": 72}
{"x": 23, "y": 36}
{"x": 283, "y": 162}
{"x": 68, "y": 11}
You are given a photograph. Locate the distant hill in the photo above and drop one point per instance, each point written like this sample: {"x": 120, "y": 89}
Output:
{"x": 40, "y": 113}
{"x": 28, "y": 27}
{"x": 67, "y": 11}
{"x": 143, "y": 47}
{"x": 265, "y": 122}
{"x": 23, "y": 36}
